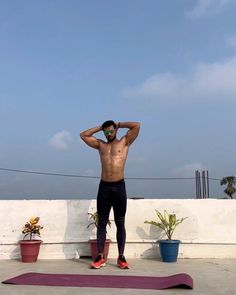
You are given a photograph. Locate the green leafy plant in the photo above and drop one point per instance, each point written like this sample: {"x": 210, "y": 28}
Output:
{"x": 32, "y": 228}
{"x": 94, "y": 219}
{"x": 230, "y": 181}
{"x": 167, "y": 222}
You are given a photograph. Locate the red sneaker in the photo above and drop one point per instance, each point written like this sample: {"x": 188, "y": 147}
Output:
{"x": 122, "y": 263}
{"x": 98, "y": 262}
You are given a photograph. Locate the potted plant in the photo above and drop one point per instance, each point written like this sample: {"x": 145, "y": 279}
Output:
{"x": 30, "y": 247}
{"x": 93, "y": 217}
{"x": 169, "y": 248}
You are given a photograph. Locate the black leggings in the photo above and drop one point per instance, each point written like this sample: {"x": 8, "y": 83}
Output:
{"x": 111, "y": 194}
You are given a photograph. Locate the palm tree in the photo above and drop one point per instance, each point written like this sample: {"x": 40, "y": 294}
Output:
{"x": 230, "y": 181}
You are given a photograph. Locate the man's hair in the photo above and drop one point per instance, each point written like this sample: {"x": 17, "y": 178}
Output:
{"x": 108, "y": 124}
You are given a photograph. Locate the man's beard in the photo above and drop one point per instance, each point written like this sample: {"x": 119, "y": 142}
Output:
{"x": 112, "y": 139}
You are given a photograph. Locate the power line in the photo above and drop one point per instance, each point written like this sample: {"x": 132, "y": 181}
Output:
{"x": 96, "y": 177}
{"x": 46, "y": 173}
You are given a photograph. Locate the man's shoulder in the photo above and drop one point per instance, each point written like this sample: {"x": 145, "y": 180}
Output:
{"x": 101, "y": 143}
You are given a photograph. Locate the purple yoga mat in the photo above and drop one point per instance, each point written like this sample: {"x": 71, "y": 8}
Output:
{"x": 181, "y": 280}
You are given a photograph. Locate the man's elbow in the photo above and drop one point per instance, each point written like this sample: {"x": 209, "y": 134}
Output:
{"x": 138, "y": 125}
{"x": 82, "y": 136}
{"x": 137, "y": 128}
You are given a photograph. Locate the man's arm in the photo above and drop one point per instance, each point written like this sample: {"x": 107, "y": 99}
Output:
{"x": 89, "y": 139}
{"x": 133, "y": 131}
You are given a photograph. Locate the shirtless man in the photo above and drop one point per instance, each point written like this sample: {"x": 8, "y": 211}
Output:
{"x": 112, "y": 191}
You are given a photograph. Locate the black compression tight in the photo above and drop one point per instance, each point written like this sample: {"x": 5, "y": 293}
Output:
{"x": 111, "y": 194}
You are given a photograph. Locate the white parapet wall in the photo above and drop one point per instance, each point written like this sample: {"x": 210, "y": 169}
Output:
{"x": 208, "y": 232}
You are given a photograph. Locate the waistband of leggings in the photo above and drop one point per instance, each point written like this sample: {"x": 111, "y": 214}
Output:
{"x": 112, "y": 182}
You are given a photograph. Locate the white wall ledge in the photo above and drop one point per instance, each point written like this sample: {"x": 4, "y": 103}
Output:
{"x": 208, "y": 232}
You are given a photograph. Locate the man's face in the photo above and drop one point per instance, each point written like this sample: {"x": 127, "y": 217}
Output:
{"x": 110, "y": 133}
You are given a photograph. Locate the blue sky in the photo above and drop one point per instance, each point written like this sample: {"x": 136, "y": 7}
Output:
{"x": 66, "y": 66}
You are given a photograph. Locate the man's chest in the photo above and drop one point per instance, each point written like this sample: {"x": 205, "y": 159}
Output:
{"x": 117, "y": 150}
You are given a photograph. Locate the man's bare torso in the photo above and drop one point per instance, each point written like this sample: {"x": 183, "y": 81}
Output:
{"x": 113, "y": 156}
{"x": 113, "y": 153}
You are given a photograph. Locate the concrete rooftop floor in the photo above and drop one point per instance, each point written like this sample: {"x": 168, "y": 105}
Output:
{"x": 210, "y": 276}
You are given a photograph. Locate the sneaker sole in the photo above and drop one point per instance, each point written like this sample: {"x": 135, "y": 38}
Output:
{"x": 124, "y": 267}
{"x": 97, "y": 267}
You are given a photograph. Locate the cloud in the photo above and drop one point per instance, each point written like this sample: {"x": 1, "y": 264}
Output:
{"x": 188, "y": 170}
{"x": 205, "y": 81}
{"x": 231, "y": 41}
{"x": 61, "y": 140}
{"x": 204, "y": 7}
